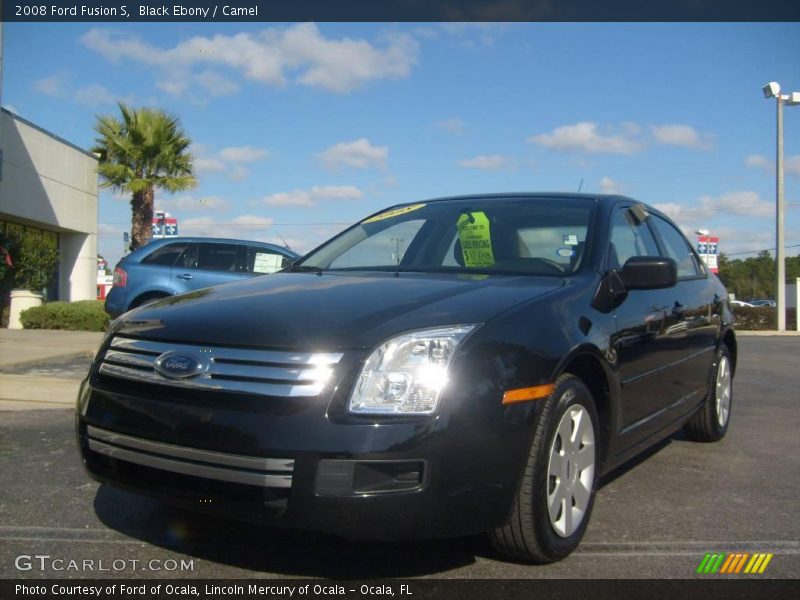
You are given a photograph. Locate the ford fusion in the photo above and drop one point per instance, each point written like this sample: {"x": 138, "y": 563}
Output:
{"x": 441, "y": 368}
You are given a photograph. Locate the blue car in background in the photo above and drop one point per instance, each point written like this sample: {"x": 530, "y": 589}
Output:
{"x": 172, "y": 266}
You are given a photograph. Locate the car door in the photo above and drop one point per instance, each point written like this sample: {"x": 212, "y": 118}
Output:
{"x": 700, "y": 305}
{"x": 650, "y": 340}
{"x": 205, "y": 264}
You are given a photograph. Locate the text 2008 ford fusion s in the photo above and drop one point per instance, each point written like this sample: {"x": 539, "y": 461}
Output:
{"x": 441, "y": 368}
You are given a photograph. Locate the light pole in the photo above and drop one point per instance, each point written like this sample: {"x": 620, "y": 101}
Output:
{"x": 773, "y": 90}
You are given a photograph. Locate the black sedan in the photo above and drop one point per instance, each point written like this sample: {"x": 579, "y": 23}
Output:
{"x": 442, "y": 368}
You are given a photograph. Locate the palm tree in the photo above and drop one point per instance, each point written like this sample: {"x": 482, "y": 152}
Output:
{"x": 144, "y": 150}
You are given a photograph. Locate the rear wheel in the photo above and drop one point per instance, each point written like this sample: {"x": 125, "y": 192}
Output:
{"x": 711, "y": 423}
{"x": 554, "y": 502}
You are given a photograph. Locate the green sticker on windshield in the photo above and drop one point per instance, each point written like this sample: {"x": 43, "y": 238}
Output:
{"x": 476, "y": 239}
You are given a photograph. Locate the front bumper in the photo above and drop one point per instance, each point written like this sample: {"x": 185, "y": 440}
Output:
{"x": 305, "y": 464}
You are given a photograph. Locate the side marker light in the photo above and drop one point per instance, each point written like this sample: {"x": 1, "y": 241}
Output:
{"x": 536, "y": 392}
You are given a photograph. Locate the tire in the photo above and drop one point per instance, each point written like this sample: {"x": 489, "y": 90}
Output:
{"x": 535, "y": 532}
{"x": 711, "y": 423}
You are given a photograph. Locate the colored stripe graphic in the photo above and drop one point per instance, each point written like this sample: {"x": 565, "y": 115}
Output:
{"x": 734, "y": 563}
{"x": 729, "y": 563}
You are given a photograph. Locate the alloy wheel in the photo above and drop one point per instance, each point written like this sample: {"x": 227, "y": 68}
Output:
{"x": 570, "y": 471}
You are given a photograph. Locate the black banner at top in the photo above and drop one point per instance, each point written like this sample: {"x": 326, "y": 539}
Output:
{"x": 398, "y": 10}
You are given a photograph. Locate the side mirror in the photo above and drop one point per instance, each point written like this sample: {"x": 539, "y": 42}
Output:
{"x": 649, "y": 273}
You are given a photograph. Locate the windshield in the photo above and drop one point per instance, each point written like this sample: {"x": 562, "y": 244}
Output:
{"x": 533, "y": 236}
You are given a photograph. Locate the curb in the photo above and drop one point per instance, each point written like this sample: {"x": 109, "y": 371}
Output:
{"x": 21, "y": 392}
{"x": 46, "y": 360}
{"x": 745, "y": 333}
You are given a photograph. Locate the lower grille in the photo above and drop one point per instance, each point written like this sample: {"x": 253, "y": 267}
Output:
{"x": 235, "y": 468}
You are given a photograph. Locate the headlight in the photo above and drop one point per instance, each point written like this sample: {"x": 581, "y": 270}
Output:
{"x": 407, "y": 374}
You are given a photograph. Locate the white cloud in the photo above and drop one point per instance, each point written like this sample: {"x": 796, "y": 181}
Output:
{"x": 273, "y": 56}
{"x": 359, "y": 154}
{"x": 757, "y": 161}
{"x": 609, "y": 186}
{"x": 316, "y": 194}
{"x": 109, "y": 230}
{"x": 242, "y": 154}
{"x": 681, "y": 135}
{"x": 59, "y": 86}
{"x": 204, "y": 165}
{"x": 215, "y": 84}
{"x": 227, "y": 158}
{"x": 94, "y": 95}
{"x": 584, "y": 137}
{"x": 452, "y": 125}
{"x": 737, "y": 203}
{"x": 250, "y": 227}
{"x": 192, "y": 204}
{"x": 487, "y": 162}
{"x": 238, "y": 173}
{"x": 742, "y": 203}
{"x": 55, "y": 86}
{"x": 791, "y": 164}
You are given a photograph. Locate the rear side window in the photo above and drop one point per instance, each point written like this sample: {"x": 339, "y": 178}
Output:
{"x": 262, "y": 260}
{"x": 629, "y": 238}
{"x": 211, "y": 257}
{"x": 218, "y": 257}
{"x": 165, "y": 255}
{"x": 677, "y": 248}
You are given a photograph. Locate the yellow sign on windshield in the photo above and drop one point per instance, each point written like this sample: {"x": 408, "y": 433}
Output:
{"x": 476, "y": 239}
{"x": 393, "y": 213}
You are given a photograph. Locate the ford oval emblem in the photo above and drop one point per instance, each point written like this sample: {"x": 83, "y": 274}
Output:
{"x": 180, "y": 365}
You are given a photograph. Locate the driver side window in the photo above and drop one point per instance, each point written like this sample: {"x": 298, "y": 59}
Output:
{"x": 628, "y": 238}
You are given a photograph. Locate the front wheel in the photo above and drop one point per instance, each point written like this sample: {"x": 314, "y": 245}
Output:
{"x": 711, "y": 423}
{"x": 554, "y": 501}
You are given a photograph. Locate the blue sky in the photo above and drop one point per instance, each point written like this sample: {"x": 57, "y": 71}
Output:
{"x": 301, "y": 129}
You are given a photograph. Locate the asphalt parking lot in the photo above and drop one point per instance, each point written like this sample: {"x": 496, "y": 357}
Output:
{"x": 656, "y": 518}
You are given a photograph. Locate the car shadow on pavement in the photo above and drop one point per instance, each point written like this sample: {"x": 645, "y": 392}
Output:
{"x": 283, "y": 552}
{"x": 622, "y": 469}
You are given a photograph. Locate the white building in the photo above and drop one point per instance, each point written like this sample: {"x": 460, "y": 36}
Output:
{"x": 49, "y": 185}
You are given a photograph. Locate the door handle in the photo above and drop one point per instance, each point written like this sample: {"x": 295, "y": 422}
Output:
{"x": 185, "y": 276}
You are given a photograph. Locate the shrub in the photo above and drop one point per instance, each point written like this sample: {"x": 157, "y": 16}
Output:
{"x": 35, "y": 264}
{"x": 84, "y": 315}
{"x": 760, "y": 318}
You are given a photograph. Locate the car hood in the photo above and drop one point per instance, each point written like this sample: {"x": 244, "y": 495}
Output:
{"x": 329, "y": 311}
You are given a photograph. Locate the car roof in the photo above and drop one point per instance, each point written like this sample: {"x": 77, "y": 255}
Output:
{"x": 197, "y": 239}
{"x": 605, "y": 198}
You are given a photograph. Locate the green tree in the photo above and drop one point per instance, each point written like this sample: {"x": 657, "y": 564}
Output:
{"x": 144, "y": 150}
{"x": 754, "y": 277}
{"x": 35, "y": 264}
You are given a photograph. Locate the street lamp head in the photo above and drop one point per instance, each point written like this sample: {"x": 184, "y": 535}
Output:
{"x": 772, "y": 89}
{"x": 702, "y": 232}
{"x": 794, "y": 99}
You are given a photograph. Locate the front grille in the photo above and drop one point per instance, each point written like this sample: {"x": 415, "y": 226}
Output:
{"x": 220, "y": 466}
{"x": 269, "y": 373}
